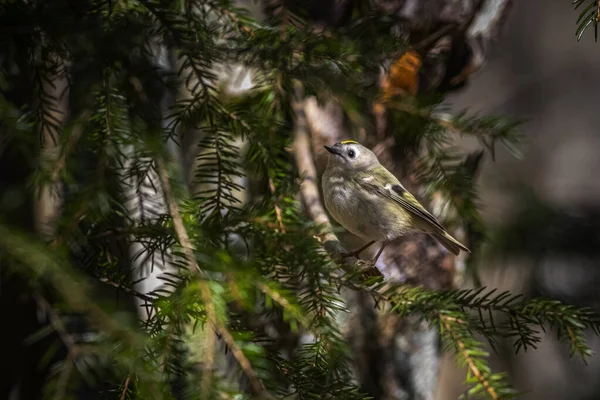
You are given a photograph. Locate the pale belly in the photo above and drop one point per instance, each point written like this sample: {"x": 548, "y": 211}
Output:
{"x": 367, "y": 215}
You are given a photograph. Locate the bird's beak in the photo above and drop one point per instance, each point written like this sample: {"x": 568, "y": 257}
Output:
{"x": 332, "y": 150}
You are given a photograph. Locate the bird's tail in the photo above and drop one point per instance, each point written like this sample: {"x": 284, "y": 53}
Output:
{"x": 449, "y": 242}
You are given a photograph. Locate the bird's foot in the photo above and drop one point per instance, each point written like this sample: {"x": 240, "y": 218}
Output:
{"x": 368, "y": 268}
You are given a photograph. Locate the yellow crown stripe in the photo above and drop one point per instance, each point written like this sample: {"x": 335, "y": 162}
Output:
{"x": 349, "y": 141}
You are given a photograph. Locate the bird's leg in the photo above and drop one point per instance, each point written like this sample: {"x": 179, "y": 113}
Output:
{"x": 356, "y": 253}
{"x": 374, "y": 261}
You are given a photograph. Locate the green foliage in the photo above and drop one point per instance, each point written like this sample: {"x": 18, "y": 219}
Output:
{"x": 588, "y": 16}
{"x": 245, "y": 274}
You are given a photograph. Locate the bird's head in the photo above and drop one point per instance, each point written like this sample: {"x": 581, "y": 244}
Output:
{"x": 351, "y": 155}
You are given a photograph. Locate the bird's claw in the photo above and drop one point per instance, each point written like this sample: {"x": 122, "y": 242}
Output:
{"x": 369, "y": 269}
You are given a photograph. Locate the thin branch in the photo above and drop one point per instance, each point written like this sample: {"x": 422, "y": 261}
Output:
{"x": 180, "y": 231}
{"x": 57, "y": 324}
{"x": 209, "y": 358}
{"x": 243, "y": 361}
{"x": 69, "y": 145}
{"x": 277, "y": 208}
{"x": 67, "y": 340}
{"x": 469, "y": 360}
{"x": 127, "y": 290}
{"x": 282, "y": 301}
{"x": 192, "y": 265}
{"x": 124, "y": 392}
{"x": 424, "y": 45}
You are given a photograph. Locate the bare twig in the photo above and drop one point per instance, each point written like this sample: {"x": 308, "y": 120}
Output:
{"x": 124, "y": 392}
{"x": 127, "y": 290}
{"x": 424, "y": 45}
{"x": 277, "y": 208}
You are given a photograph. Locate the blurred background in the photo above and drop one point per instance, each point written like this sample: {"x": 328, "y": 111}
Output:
{"x": 539, "y": 72}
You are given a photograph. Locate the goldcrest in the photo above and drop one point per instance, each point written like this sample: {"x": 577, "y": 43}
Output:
{"x": 367, "y": 200}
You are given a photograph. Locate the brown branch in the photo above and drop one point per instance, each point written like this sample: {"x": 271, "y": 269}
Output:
{"x": 127, "y": 290}
{"x": 209, "y": 356}
{"x": 180, "y": 231}
{"x": 188, "y": 251}
{"x": 423, "y": 46}
{"x": 469, "y": 360}
{"x": 282, "y": 301}
{"x": 243, "y": 361}
{"x": 124, "y": 392}
{"x": 277, "y": 208}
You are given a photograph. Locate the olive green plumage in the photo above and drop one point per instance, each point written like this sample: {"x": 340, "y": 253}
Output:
{"x": 366, "y": 199}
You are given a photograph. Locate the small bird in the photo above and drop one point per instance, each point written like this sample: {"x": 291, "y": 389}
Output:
{"x": 366, "y": 199}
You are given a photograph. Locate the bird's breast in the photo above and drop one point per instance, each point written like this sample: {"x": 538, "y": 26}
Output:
{"x": 348, "y": 207}
{"x": 363, "y": 213}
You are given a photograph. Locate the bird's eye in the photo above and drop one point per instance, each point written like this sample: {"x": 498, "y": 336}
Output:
{"x": 351, "y": 154}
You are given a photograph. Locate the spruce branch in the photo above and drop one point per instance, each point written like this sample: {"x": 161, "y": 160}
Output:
{"x": 488, "y": 129}
{"x": 590, "y": 15}
{"x": 466, "y": 355}
{"x": 40, "y": 264}
{"x": 192, "y": 266}
{"x": 178, "y": 225}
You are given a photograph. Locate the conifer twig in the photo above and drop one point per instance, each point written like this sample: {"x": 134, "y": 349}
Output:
{"x": 188, "y": 250}
{"x": 469, "y": 360}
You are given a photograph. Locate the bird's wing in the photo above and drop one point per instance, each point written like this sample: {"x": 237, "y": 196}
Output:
{"x": 391, "y": 189}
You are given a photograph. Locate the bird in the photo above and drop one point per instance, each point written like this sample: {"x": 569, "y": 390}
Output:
{"x": 370, "y": 202}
